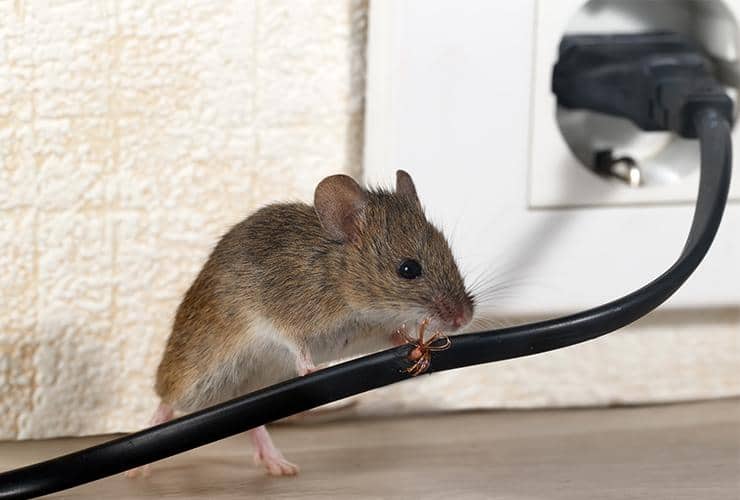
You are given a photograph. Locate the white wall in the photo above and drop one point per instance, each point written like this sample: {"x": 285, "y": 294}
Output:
{"x": 455, "y": 95}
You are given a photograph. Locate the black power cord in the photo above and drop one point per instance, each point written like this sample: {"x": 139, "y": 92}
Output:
{"x": 694, "y": 114}
{"x": 657, "y": 80}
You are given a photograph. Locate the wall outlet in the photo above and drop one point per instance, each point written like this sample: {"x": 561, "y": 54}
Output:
{"x": 458, "y": 95}
{"x": 564, "y": 142}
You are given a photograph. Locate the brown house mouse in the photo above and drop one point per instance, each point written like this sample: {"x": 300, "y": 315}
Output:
{"x": 295, "y": 284}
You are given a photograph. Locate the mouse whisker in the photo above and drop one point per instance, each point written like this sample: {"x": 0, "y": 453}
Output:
{"x": 490, "y": 321}
{"x": 492, "y": 271}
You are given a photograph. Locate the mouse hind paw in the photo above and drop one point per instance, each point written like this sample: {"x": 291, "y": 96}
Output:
{"x": 268, "y": 455}
{"x": 276, "y": 465}
{"x": 164, "y": 413}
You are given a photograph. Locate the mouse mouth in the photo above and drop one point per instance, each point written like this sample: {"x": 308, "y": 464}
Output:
{"x": 441, "y": 323}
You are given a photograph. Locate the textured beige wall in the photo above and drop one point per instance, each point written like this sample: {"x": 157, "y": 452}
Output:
{"x": 132, "y": 134}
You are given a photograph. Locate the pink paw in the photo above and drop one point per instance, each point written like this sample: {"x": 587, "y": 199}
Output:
{"x": 275, "y": 464}
{"x": 309, "y": 370}
{"x": 305, "y": 366}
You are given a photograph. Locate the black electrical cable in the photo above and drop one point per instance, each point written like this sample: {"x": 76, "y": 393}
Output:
{"x": 389, "y": 366}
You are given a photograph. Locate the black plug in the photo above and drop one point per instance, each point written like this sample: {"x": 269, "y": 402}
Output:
{"x": 657, "y": 80}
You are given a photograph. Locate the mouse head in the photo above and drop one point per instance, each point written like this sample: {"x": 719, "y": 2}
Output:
{"x": 393, "y": 264}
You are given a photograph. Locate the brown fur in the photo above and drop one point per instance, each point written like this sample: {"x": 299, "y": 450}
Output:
{"x": 281, "y": 266}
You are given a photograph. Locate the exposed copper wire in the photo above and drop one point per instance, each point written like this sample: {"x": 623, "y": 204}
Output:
{"x": 421, "y": 354}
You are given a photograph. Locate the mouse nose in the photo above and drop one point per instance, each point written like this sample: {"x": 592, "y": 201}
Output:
{"x": 463, "y": 315}
{"x": 455, "y": 314}
{"x": 460, "y": 319}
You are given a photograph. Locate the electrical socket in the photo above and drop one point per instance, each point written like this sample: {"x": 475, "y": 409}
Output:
{"x": 560, "y": 176}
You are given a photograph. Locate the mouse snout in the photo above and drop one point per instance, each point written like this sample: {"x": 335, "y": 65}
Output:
{"x": 461, "y": 319}
{"x": 456, "y": 315}
{"x": 464, "y": 315}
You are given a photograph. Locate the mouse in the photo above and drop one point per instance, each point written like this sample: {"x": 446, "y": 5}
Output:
{"x": 293, "y": 286}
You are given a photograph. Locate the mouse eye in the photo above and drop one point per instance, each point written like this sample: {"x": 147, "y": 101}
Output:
{"x": 409, "y": 269}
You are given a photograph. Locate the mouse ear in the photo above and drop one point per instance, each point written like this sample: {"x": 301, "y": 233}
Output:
{"x": 404, "y": 185}
{"x": 339, "y": 202}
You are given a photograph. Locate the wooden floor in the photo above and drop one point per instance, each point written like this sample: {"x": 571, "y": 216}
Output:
{"x": 688, "y": 451}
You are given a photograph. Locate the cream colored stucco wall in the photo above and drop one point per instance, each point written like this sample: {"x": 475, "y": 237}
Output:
{"x": 132, "y": 134}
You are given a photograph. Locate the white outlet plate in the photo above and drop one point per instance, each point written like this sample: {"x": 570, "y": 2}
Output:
{"x": 558, "y": 178}
{"x": 452, "y": 96}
